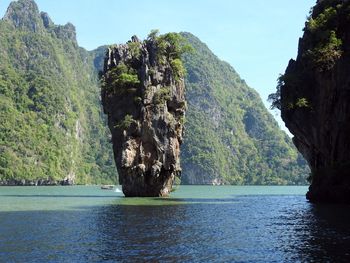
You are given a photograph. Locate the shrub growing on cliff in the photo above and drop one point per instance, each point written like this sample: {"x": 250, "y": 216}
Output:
{"x": 126, "y": 80}
{"x": 178, "y": 68}
{"x": 171, "y": 47}
{"x": 322, "y": 48}
{"x": 326, "y": 53}
{"x": 321, "y": 37}
{"x": 120, "y": 79}
{"x": 134, "y": 49}
{"x": 302, "y": 103}
{"x": 125, "y": 124}
{"x": 162, "y": 95}
{"x": 289, "y": 79}
{"x": 275, "y": 98}
{"x": 153, "y": 35}
{"x": 322, "y": 20}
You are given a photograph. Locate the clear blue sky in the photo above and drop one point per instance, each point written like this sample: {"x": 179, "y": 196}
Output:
{"x": 256, "y": 37}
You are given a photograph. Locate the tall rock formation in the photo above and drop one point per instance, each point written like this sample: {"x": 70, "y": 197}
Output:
{"x": 143, "y": 95}
{"x": 52, "y": 128}
{"x": 230, "y": 136}
{"x": 314, "y": 97}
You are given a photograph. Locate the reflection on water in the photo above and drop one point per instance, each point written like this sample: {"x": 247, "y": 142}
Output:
{"x": 143, "y": 232}
{"x": 251, "y": 228}
{"x": 323, "y": 233}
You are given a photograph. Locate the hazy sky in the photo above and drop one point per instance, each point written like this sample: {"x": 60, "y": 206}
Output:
{"x": 257, "y": 37}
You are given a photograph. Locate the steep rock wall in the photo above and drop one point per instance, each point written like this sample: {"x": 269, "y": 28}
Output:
{"x": 143, "y": 96}
{"x": 315, "y": 100}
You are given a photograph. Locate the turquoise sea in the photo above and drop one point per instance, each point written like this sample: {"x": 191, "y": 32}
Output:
{"x": 196, "y": 224}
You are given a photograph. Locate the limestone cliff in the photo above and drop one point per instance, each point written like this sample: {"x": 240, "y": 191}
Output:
{"x": 315, "y": 100}
{"x": 51, "y": 123}
{"x": 143, "y": 96}
{"x": 228, "y": 129}
{"x": 24, "y": 15}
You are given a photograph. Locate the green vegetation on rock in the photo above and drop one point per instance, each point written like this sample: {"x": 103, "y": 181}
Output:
{"x": 125, "y": 124}
{"x": 121, "y": 79}
{"x": 51, "y": 124}
{"x": 322, "y": 48}
{"x": 52, "y": 127}
{"x": 162, "y": 95}
{"x": 230, "y": 137}
{"x": 171, "y": 47}
{"x": 313, "y": 96}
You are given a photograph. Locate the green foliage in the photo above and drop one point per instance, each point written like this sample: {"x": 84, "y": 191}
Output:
{"x": 162, "y": 95}
{"x": 275, "y": 98}
{"x": 51, "y": 123}
{"x": 153, "y": 35}
{"x": 321, "y": 21}
{"x": 178, "y": 68}
{"x": 230, "y": 135}
{"x": 302, "y": 103}
{"x": 121, "y": 68}
{"x": 183, "y": 120}
{"x": 126, "y": 80}
{"x": 134, "y": 49}
{"x": 321, "y": 35}
{"x": 320, "y": 49}
{"x": 120, "y": 79}
{"x": 327, "y": 52}
{"x": 171, "y": 47}
{"x": 126, "y": 123}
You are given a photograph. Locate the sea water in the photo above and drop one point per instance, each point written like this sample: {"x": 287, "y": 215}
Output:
{"x": 196, "y": 224}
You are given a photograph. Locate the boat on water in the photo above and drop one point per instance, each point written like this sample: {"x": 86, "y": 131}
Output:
{"x": 107, "y": 187}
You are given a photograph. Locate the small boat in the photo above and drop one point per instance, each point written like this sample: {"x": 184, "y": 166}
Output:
{"x": 107, "y": 187}
{"x": 117, "y": 190}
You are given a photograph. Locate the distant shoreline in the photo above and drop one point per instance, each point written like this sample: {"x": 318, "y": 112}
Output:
{"x": 39, "y": 182}
{"x": 65, "y": 183}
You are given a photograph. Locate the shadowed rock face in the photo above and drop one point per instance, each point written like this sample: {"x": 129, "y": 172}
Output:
{"x": 145, "y": 104}
{"x": 315, "y": 101}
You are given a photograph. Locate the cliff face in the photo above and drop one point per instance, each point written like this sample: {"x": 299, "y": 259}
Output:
{"x": 315, "y": 100}
{"x": 51, "y": 122}
{"x": 230, "y": 137}
{"x": 143, "y": 96}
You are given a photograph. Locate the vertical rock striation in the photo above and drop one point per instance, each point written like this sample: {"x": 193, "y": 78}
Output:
{"x": 143, "y": 96}
{"x": 315, "y": 100}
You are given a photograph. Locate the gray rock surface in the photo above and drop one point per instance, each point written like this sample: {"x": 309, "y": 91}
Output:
{"x": 145, "y": 118}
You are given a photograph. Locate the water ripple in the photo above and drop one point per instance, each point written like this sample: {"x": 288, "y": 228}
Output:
{"x": 249, "y": 228}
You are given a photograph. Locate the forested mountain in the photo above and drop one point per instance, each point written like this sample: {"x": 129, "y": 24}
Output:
{"x": 52, "y": 128}
{"x": 230, "y": 136}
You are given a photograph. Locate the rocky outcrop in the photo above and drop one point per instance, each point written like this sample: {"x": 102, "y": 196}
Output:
{"x": 25, "y": 15}
{"x": 143, "y": 96}
{"x": 315, "y": 100}
{"x": 38, "y": 182}
{"x": 228, "y": 128}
